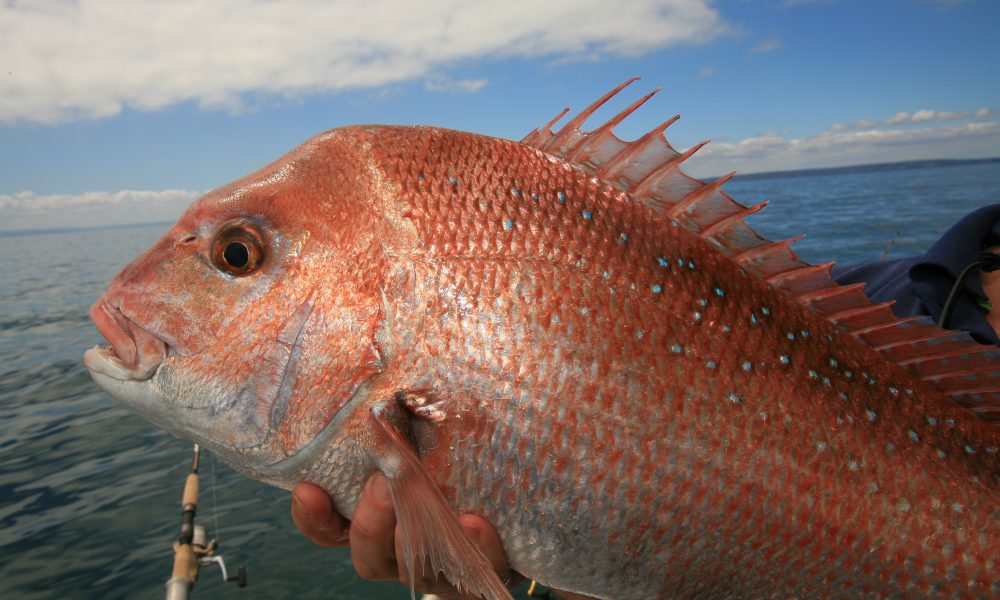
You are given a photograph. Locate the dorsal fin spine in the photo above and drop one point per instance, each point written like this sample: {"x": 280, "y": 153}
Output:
{"x": 606, "y": 129}
{"x": 574, "y": 124}
{"x": 534, "y": 138}
{"x": 848, "y": 313}
{"x": 690, "y": 199}
{"x": 610, "y": 169}
{"x": 739, "y": 216}
{"x": 751, "y": 253}
{"x": 784, "y": 278}
{"x": 643, "y": 186}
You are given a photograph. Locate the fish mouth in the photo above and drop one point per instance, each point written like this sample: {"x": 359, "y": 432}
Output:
{"x": 134, "y": 353}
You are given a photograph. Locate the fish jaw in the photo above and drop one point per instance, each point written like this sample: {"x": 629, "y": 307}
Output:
{"x": 135, "y": 352}
{"x": 127, "y": 368}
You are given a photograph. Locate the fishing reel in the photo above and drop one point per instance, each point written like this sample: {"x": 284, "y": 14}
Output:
{"x": 205, "y": 553}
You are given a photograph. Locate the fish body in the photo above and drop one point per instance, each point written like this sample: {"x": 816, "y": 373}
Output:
{"x": 573, "y": 339}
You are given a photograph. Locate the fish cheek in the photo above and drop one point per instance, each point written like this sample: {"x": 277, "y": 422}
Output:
{"x": 235, "y": 388}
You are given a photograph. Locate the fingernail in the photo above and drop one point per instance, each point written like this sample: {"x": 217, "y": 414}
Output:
{"x": 473, "y": 533}
{"x": 299, "y": 507}
{"x": 378, "y": 488}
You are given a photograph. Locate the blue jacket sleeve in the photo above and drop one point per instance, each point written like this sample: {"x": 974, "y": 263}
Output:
{"x": 920, "y": 285}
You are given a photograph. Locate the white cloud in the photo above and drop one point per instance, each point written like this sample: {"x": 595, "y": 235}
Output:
{"x": 27, "y": 210}
{"x": 769, "y": 45}
{"x": 706, "y": 72}
{"x": 91, "y": 59}
{"x": 838, "y": 147}
{"x": 444, "y": 84}
{"x": 919, "y": 116}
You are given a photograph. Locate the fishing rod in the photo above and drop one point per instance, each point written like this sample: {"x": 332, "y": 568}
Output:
{"x": 190, "y": 551}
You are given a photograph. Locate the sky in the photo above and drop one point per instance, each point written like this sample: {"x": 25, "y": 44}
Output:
{"x": 124, "y": 111}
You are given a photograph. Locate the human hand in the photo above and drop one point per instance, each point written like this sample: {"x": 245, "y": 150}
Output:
{"x": 374, "y": 537}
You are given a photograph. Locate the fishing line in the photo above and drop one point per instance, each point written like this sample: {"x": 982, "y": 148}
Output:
{"x": 987, "y": 261}
{"x": 215, "y": 503}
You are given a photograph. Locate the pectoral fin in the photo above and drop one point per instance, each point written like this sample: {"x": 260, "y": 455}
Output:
{"x": 429, "y": 529}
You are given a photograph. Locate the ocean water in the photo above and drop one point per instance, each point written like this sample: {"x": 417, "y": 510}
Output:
{"x": 90, "y": 493}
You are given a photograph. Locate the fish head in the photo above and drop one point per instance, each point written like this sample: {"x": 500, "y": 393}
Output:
{"x": 252, "y": 321}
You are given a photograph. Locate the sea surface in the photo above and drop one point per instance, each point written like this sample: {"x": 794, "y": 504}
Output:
{"x": 90, "y": 493}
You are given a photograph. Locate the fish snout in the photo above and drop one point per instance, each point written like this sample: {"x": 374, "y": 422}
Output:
{"x": 134, "y": 353}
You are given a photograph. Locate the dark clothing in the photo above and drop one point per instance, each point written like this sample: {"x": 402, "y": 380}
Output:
{"x": 920, "y": 284}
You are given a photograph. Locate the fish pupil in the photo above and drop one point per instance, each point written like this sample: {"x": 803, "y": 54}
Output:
{"x": 237, "y": 255}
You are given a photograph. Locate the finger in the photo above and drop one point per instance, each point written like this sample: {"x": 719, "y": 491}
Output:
{"x": 572, "y": 596}
{"x": 313, "y": 513}
{"x": 483, "y": 535}
{"x": 427, "y": 581}
{"x": 372, "y": 532}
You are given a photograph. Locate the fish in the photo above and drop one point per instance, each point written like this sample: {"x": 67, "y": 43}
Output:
{"x": 574, "y": 339}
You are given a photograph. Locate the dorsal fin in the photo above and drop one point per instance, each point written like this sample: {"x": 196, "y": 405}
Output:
{"x": 649, "y": 170}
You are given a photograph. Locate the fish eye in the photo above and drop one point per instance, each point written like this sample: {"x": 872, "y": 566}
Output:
{"x": 237, "y": 250}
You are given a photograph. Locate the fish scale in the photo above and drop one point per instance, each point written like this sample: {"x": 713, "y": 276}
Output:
{"x": 574, "y": 339}
{"x": 791, "y": 404}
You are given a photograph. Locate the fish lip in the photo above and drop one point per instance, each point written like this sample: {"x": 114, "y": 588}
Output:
{"x": 134, "y": 354}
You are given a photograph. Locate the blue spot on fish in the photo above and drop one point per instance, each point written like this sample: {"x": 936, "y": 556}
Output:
{"x": 623, "y": 238}
{"x": 893, "y": 391}
{"x": 871, "y": 414}
{"x": 913, "y": 435}
{"x": 690, "y": 264}
{"x": 784, "y": 359}
{"x": 726, "y": 329}
{"x": 562, "y": 197}
{"x": 753, "y": 318}
{"x": 833, "y": 362}
{"x": 765, "y": 310}
{"x": 676, "y": 349}
{"x": 657, "y": 288}
{"x": 663, "y": 262}
{"x": 697, "y": 316}
{"x": 791, "y": 335}
{"x": 932, "y": 421}
{"x": 453, "y": 181}
{"x": 515, "y": 191}
{"x": 710, "y": 364}
{"x": 702, "y": 302}
{"x": 805, "y": 333}
{"x": 719, "y": 292}
{"x": 586, "y": 215}
{"x": 508, "y": 224}
{"x": 970, "y": 450}
{"x": 534, "y": 196}
{"x": 734, "y": 398}
{"x": 747, "y": 365}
